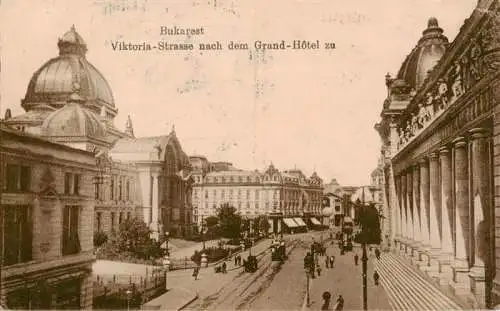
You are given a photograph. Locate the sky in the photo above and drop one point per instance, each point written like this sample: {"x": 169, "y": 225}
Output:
{"x": 310, "y": 109}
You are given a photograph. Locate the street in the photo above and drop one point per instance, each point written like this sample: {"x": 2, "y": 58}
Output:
{"x": 283, "y": 286}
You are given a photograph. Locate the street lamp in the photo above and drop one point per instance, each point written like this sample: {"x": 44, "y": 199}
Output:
{"x": 129, "y": 294}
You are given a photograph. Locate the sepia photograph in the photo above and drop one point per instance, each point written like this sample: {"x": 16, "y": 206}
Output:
{"x": 249, "y": 155}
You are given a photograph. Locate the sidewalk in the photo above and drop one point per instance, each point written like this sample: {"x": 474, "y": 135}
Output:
{"x": 346, "y": 279}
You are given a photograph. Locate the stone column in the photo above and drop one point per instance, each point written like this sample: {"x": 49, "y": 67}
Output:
{"x": 416, "y": 207}
{"x": 424, "y": 205}
{"x": 404, "y": 214}
{"x": 155, "y": 207}
{"x": 461, "y": 265}
{"x": 409, "y": 207}
{"x": 480, "y": 213}
{"x": 434, "y": 211}
{"x": 446, "y": 257}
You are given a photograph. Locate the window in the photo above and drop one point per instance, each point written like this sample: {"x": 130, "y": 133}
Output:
{"x": 127, "y": 193}
{"x": 97, "y": 192}
{"x": 17, "y": 234}
{"x": 206, "y": 194}
{"x": 120, "y": 218}
{"x": 99, "y": 221}
{"x": 18, "y": 178}
{"x": 71, "y": 240}
{"x": 257, "y": 205}
{"x": 119, "y": 189}
{"x": 76, "y": 184}
{"x": 113, "y": 220}
{"x": 129, "y": 214}
{"x": 71, "y": 184}
{"x": 222, "y": 194}
{"x": 257, "y": 194}
{"x": 112, "y": 188}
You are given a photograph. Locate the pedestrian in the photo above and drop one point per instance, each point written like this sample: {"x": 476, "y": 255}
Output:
{"x": 327, "y": 261}
{"x": 318, "y": 269}
{"x": 340, "y": 303}
{"x": 356, "y": 259}
{"x": 377, "y": 253}
{"x": 326, "y": 300}
{"x": 224, "y": 267}
{"x": 376, "y": 277}
{"x": 236, "y": 260}
{"x": 195, "y": 272}
{"x": 332, "y": 261}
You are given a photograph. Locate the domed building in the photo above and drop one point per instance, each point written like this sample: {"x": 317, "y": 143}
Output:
{"x": 54, "y": 84}
{"x": 437, "y": 127}
{"x": 69, "y": 101}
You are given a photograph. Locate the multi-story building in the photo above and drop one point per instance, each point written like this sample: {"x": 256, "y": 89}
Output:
{"x": 68, "y": 101}
{"x": 46, "y": 223}
{"x": 282, "y": 196}
{"x": 439, "y": 130}
{"x": 334, "y": 194}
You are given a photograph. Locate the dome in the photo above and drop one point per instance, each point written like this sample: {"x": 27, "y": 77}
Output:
{"x": 73, "y": 120}
{"x": 52, "y": 83}
{"x": 424, "y": 56}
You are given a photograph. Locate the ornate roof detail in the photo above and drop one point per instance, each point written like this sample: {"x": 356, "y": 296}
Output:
{"x": 73, "y": 120}
{"x": 129, "y": 130}
{"x": 72, "y": 43}
{"x": 53, "y": 83}
{"x": 430, "y": 48}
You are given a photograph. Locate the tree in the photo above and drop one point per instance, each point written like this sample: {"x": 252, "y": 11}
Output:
{"x": 229, "y": 221}
{"x": 262, "y": 224}
{"x": 133, "y": 237}
{"x": 369, "y": 220}
{"x": 211, "y": 225}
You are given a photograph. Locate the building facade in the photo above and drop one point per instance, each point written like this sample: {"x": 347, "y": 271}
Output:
{"x": 46, "y": 223}
{"x": 276, "y": 194}
{"x": 68, "y": 101}
{"x": 335, "y": 195}
{"x": 439, "y": 130}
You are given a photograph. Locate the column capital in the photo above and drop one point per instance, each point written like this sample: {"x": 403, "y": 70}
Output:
{"x": 444, "y": 150}
{"x": 433, "y": 156}
{"x": 459, "y": 142}
{"x": 479, "y": 132}
{"x": 423, "y": 161}
{"x": 416, "y": 166}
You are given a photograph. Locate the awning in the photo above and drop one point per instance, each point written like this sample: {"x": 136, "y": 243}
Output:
{"x": 315, "y": 221}
{"x": 300, "y": 222}
{"x": 290, "y": 223}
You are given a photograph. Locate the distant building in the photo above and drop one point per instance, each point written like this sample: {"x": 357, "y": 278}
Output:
{"x": 278, "y": 195}
{"x": 334, "y": 193}
{"x": 46, "y": 223}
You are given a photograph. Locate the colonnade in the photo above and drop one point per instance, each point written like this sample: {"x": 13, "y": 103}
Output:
{"x": 444, "y": 214}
